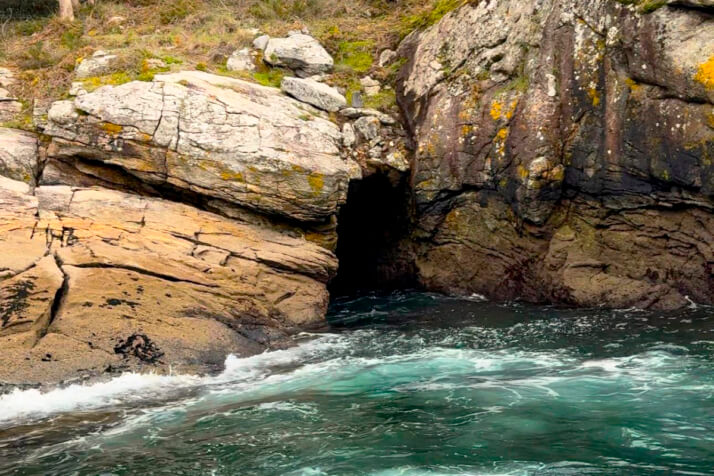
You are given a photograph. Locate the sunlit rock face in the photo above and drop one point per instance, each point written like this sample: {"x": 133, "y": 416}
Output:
{"x": 214, "y": 136}
{"x": 173, "y": 222}
{"x": 564, "y": 151}
{"x": 84, "y": 270}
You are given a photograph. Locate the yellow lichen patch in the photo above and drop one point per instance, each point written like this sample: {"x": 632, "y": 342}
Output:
{"x": 633, "y": 85}
{"x": 298, "y": 169}
{"x": 466, "y": 130}
{"x": 322, "y": 239}
{"x": 511, "y": 109}
{"x": 496, "y": 110}
{"x": 502, "y": 134}
{"x": 523, "y": 172}
{"x": 316, "y": 181}
{"x": 705, "y": 73}
{"x": 111, "y": 128}
{"x": 557, "y": 174}
{"x": 595, "y": 96}
{"x": 232, "y": 176}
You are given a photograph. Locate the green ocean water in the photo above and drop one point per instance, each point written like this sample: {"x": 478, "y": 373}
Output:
{"x": 407, "y": 384}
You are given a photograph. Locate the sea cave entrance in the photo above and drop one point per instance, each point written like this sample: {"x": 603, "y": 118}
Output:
{"x": 373, "y": 247}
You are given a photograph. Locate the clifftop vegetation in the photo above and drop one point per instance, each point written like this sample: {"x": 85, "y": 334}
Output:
{"x": 200, "y": 34}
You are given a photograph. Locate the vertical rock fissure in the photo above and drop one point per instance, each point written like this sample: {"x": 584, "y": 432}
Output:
{"x": 60, "y": 295}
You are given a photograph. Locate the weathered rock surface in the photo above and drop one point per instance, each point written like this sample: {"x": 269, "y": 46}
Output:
{"x": 387, "y": 57}
{"x": 83, "y": 270}
{"x": 261, "y": 42}
{"x": 241, "y": 60}
{"x": 98, "y": 280}
{"x": 18, "y": 155}
{"x": 10, "y": 107}
{"x": 693, "y": 3}
{"x": 299, "y": 52}
{"x": 371, "y": 86}
{"x": 99, "y": 64}
{"x": 216, "y": 137}
{"x": 564, "y": 152}
{"x": 314, "y": 93}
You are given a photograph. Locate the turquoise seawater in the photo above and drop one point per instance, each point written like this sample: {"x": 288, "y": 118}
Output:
{"x": 408, "y": 384}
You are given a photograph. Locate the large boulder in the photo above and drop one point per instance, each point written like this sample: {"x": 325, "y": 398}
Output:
{"x": 210, "y": 136}
{"x": 299, "y": 52}
{"x": 564, "y": 152}
{"x": 19, "y": 158}
{"x": 86, "y": 271}
{"x": 312, "y": 92}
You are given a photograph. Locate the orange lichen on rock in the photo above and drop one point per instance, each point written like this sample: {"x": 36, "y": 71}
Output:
{"x": 110, "y": 128}
{"x": 496, "y": 109}
{"x": 634, "y": 85}
{"x": 705, "y": 73}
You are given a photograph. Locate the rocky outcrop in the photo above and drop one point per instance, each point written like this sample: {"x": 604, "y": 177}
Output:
{"x": 314, "y": 93}
{"x": 10, "y": 107}
{"x": 100, "y": 63}
{"x": 241, "y": 60}
{"x": 564, "y": 152}
{"x": 216, "y": 137}
{"x": 174, "y": 222}
{"x": 85, "y": 269}
{"x": 299, "y": 52}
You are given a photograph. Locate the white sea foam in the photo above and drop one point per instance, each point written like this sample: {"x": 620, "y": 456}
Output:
{"x": 131, "y": 387}
{"x": 21, "y": 404}
{"x": 327, "y": 364}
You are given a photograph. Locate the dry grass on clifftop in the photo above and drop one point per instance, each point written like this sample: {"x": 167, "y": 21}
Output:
{"x": 201, "y": 34}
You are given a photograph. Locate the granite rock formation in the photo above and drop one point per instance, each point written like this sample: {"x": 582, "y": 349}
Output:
{"x": 564, "y": 151}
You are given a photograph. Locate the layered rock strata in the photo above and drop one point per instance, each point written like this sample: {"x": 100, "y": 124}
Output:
{"x": 101, "y": 273}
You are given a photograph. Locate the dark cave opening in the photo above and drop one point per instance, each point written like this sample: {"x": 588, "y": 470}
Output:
{"x": 373, "y": 247}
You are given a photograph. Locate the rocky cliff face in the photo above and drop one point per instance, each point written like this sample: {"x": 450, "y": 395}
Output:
{"x": 564, "y": 151}
{"x": 560, "y": 151}
{"x": 100, "y": 272}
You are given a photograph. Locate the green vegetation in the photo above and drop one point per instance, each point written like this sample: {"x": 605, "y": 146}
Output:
{"x": 285, "y": 9}
{"x": 169, "y": 60}
{"x": 355, "y": 55}
{"x": 176, "y": 11}
{"x": 386, "y": 99}
{"x": 90, "y": 84}
{"x": 23, "y": 120}
{"x": 271, "y": 77}
{"x": 182, "y": 33}
{"x": 431, "y": 15}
